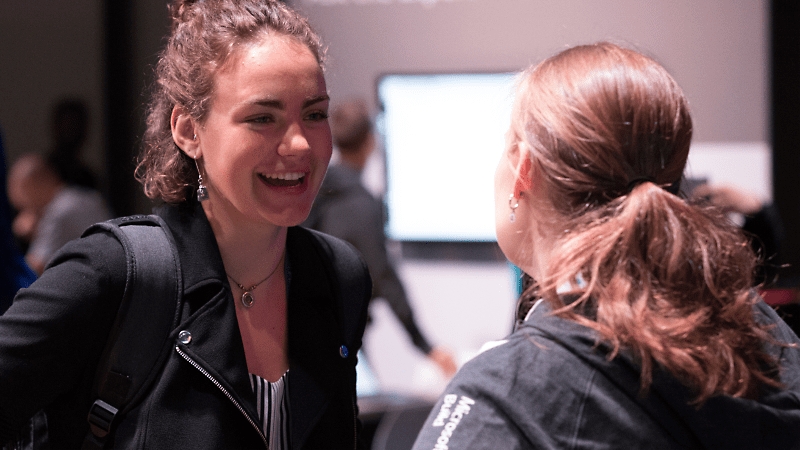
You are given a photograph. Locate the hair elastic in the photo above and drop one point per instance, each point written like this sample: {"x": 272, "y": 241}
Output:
{"x": 635, "y": 181}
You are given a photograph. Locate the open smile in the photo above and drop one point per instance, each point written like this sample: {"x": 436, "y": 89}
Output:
{"x": 283, "y": 179}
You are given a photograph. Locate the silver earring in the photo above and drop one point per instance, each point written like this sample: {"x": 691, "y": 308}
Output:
{"x": 513, "y": 203}
{"x": 202, "y": 191}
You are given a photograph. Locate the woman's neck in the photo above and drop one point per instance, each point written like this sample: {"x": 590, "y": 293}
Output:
{"x": 541, "y": 235}
{"x": 249, "y": 249}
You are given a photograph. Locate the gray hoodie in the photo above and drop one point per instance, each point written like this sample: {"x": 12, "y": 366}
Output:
{"x": 549, "y": 386}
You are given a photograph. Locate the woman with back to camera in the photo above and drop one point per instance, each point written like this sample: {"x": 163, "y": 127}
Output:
{"x": 644, "y": 331}
{"x": 263, "y": 352}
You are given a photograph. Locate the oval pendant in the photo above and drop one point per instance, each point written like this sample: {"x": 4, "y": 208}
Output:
{"x": 247, "y": 299}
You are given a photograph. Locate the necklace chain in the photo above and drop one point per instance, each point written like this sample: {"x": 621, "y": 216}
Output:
{"x": 247, "y": 296}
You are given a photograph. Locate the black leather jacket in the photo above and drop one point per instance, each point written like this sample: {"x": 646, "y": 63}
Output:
{"x": 52, "y": 336}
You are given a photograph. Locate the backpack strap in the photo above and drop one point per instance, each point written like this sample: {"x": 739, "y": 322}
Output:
{"x": 138, "y": 342}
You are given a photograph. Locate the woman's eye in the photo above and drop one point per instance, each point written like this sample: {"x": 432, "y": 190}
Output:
{"x": 317, "y": 116}
{"x": 261, "y": 119}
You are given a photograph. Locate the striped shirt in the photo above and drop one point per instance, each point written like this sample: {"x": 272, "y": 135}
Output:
{"x": 272, "y": 400}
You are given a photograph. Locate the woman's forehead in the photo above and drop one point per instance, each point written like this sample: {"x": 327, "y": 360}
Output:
{"x": 269, "y": 71}
{"x": 242, "y": 49}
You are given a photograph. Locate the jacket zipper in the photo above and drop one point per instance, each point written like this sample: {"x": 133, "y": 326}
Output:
{"x": 224, "y": 391}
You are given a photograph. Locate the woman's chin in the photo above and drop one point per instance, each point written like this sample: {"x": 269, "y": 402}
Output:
{"x": 292, "y": 218}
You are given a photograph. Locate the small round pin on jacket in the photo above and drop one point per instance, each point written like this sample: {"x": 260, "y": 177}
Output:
{"x": 185, "y": 337}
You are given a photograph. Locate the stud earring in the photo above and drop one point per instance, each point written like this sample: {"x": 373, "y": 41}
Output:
{"x": 202, "y": 191}
{"x": 513, "y": 203}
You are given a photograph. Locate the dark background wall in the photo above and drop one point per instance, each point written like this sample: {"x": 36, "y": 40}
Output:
{"x": 99, "y": 51}
{"x": 49, "y": 50}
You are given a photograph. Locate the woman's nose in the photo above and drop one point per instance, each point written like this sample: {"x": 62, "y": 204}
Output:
{"x": 294, "y": 141}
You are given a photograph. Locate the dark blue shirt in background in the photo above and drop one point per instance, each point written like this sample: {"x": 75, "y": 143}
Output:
{"x": 14, "y": 273}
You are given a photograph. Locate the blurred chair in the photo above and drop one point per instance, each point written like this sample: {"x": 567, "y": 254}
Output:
{"x": 399, "y": 426}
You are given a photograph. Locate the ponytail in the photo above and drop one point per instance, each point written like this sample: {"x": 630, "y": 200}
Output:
{"x": 671, "y": 283}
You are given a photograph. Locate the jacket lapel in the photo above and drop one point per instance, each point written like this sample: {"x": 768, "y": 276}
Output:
{"x": 314, "y": 335}
{"x": 208, "y": 311}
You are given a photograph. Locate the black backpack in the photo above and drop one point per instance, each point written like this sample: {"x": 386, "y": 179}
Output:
{"x": 131, "y": 358}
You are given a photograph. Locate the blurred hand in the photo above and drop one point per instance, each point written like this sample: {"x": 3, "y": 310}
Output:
{"x": 729, "y": 198}
{"x": 444, "y": 360}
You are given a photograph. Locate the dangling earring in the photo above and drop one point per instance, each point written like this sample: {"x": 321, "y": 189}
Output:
{"x": 513, "y": 203}
{"x": 202, "y": 191}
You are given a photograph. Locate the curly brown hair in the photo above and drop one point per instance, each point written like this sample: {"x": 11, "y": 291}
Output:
{"x": 205, "y": 34}
{"x": 666, "y": 280}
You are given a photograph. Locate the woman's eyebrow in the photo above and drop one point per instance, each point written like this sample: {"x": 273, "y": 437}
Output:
{"x": 280, "y": 105}
{"x": 317, "y": 99}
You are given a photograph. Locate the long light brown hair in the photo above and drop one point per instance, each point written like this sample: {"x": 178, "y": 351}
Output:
{"x": 205, "y": 34}
{"x": 670, "y": 282}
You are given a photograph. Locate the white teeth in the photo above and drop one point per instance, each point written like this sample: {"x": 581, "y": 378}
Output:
{"x": 292, "y": 176}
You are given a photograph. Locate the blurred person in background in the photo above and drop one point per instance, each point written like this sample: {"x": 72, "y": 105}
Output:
{"x": 69, "y": 130}
{"x": 50, "y": 212}
{"x": 14, "y": 273}
{"x": 345, "y": 209}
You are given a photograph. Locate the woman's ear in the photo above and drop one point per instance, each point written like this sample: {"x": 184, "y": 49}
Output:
{"x": 184, "y": 133}
{"x": 524, "y": 170}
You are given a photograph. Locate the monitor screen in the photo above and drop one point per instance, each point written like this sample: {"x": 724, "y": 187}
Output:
{"x": 443, "y": 137}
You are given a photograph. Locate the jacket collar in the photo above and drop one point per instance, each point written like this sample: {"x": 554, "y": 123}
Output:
{"x": 197, "y": 247}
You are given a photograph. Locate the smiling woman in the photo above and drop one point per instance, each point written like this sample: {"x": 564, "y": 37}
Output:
{"x": 264, "y": 143}
{"x": 270, "y": 316}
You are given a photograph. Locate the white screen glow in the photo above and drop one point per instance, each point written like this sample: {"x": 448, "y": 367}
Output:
{"x": 443, "y": 137}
